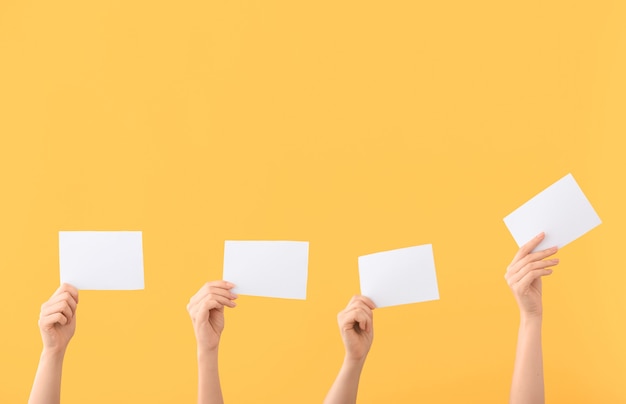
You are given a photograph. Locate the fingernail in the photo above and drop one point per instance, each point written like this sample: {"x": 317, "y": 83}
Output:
{"x": 234, "y": 295}
{"x": 556, "y": 260}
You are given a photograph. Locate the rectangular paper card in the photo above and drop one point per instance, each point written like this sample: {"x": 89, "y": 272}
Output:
{"x": 561, "y": 211}
{"x": 402, "y": 276}
{"x": 267, "y": 268}
{"x": 101, "y": 260}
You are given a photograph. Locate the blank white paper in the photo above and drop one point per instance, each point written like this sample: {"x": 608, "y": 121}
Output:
{"x": 101, "y": 260}
{"x": 267, "y": 268}
{"x": 402, "y": 276}
{"x": 562, "y": 211}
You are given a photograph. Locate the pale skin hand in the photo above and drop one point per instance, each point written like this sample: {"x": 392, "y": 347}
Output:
{"x": 356, "y": 324}
{"x": 524, "y": 278}
{"x": 206, "y": 309}
{"x": 57, "y": 323}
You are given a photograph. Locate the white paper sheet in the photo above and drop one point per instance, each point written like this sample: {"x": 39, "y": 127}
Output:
{"x": 101, "y": 260}
{"x": 267, "y": 268}
{"x": 561, "y": 211}
{"x": 402, "y": 276}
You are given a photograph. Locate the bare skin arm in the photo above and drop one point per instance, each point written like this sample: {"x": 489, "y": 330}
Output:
{"x": 357, "y": 331}
{"x": 206, "y": 309}
{"x": 57, "y": 323}
{"x": 524, "y": 278}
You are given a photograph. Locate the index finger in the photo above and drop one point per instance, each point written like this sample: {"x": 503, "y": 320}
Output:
{"x": 364, "y": 299}
{"x": 528, "y": 247}
{"x": 368, "y": 302}
{"x": 66, "y": 287}
{"x": 221, "y": 284}
{"x": 206, "y": 289}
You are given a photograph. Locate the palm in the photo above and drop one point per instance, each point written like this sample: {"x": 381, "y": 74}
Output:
{"x": 357, "y": 341}
{"x": 531, "y": 299}
{"x": 57, "y": 335}
{"x": 213, "y": 327}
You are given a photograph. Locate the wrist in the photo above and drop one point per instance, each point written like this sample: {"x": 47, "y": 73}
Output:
{"x": 207, "y": 352}
{"x": 530, "y": 323}
{"x": 53, "y": 353}
{"x": 207, "y": 359}
{"x": 531, "y": 318}
{"x": 206, "y": 343}
{"x": 353, "y": 362}
{"x": 530, "y": 311}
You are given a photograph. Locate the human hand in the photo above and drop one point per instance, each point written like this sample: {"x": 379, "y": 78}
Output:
{"x": 206, "y": 309}
{"x": 524, "y": 275}
{"x": 356, "y": 324}
{"x": 57, "y": 320}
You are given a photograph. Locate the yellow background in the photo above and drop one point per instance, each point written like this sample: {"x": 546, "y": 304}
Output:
{"x": 360, "y": 126}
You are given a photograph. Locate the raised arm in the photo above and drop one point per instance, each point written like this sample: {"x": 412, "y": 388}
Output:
{"x": 206, "y": 309}
{"x": 57, "y": 323}
{"x": 524, "y": 278}
{"x": 357, "y": 331}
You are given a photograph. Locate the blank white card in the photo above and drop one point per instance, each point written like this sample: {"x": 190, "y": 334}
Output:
{"x": 267, "y": 268}
{"x": 562, "y": 211}
{"x": 101, "y": 260}
{"x": 402, "y": 276}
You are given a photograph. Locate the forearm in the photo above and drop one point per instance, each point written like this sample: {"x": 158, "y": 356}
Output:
{"x": 209, "y": 390}
{"x": 47, "y": 385}
{"x": 527, "y": 386}
{"x": 345, "y": 388}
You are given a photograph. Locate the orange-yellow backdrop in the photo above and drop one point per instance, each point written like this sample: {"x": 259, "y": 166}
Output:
{"x": 360, "y": 126}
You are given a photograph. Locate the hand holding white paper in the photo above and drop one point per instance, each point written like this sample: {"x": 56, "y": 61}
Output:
{"x": 101, "y": 260}
{"x": 402, "y": 276}
{"x": 562, "y": 211}
{"x": 267, "y": 268}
